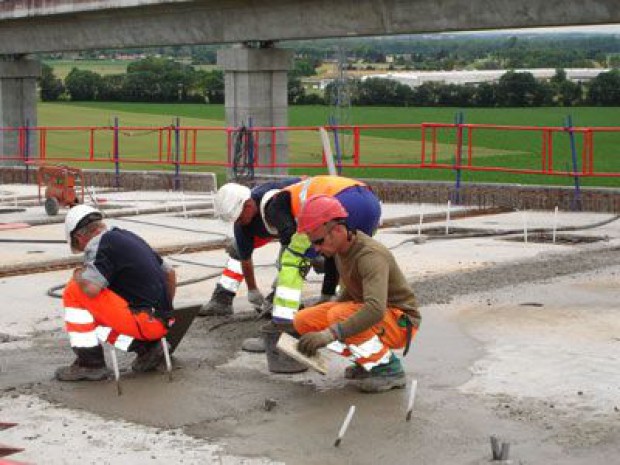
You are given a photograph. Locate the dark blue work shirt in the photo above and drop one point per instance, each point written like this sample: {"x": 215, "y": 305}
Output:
{"x": 123, "y": 262}
{"x": 246, "y": 236}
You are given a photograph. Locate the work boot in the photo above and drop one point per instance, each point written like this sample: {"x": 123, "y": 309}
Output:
{"x": 356, "y": 372}
{"x": 77, "y": 371}
{"x": 220, "y": 303}
{"x": 150, "y": 355}
{"x": 384, "y": 377}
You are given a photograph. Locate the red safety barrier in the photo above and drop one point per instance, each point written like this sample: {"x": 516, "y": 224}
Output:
{"x": 532, "y": 150}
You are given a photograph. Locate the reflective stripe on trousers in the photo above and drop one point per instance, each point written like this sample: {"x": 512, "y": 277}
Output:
{"x": 368, "y": 348}
{"x": 287, "y": 298}
{"x": 106, "y": 318}
{"x": 232, "y": 276}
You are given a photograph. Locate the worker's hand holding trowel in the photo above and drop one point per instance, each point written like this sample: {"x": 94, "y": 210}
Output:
{"x": 311, "y": 342}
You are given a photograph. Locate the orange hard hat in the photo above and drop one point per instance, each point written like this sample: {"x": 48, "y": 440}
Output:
{"x": 319, "y": 210}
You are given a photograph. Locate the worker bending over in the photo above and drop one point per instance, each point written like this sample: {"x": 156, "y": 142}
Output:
{"x": 122, "y": 295}
{"x": 375, "y": 311}
{"x": 270, "y": 211}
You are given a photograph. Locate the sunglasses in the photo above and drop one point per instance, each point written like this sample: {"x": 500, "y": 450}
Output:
{"x": 329, "y": 228}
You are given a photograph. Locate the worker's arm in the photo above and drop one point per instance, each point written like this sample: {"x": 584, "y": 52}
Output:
{"x": 171, "y": 280}
{"x": 248, "y": 272}
{"x": 374, "y": 271}
{"x": 88, "y": 287}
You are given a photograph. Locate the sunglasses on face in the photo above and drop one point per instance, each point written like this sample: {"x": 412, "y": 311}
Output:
{"x": 328, "y": 229}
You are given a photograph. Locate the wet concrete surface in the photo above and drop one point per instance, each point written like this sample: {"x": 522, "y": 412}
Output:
{"x": 519, "y": 340}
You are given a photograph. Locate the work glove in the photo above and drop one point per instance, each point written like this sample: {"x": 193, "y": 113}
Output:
{"x": 256, "y": 298}
{"x": 309, "y": 343}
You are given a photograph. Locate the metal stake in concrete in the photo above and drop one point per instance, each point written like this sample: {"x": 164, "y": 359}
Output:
{"x": 164, "y": 345}
{"x": 414, "y": 385}
{"x": 421, "y": 221}
{"x": 555, "y": 223}
{"x": 117, "y": 373}
{"x": 495, "y": 451}
{"x": 345, "y": 425}
{"x": 448, "y": 219}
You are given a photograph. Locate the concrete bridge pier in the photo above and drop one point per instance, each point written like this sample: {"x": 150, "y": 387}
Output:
{"x": 18, "y": 107}
{"x": 255, "y": 80}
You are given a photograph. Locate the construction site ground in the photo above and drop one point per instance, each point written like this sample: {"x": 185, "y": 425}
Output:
{"x": 520, "y": 339}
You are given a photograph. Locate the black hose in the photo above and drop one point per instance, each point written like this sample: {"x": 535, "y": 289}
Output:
{"x": 33, "y": 241}
{"x": 509, "y": 232}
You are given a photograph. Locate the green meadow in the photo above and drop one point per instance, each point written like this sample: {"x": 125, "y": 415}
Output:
{"x": 493, "y": 148}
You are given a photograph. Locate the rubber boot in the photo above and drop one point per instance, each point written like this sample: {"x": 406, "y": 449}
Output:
{"x": 88, "y": 366}
{"x": 384, "y": 377}
{"x": 257, "y": 344}
{"x": 150, "y": 355}
{"x": 220, "y": 303}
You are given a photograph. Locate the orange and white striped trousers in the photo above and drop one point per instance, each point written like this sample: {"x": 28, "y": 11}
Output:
{"x": 106, "y": 318}
{"x": 368, "y": 348}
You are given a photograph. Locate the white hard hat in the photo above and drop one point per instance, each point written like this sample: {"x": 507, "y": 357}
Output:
{"x": 263, "y": 202}
{"x": 74, "y": 216}
{"x": 229, "y": 201}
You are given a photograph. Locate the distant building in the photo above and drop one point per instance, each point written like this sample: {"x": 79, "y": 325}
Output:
{"x": 417, "y": 78}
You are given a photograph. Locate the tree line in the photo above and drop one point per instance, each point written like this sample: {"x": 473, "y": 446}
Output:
{"x": 514, "y": 89}
{"x": 165, "y": 80}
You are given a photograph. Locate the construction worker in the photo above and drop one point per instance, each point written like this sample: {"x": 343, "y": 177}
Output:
{"x": 375, "y": 310}
{"x": 271, "y": 211}
{"x": 122, "y": 295}
{"x": 238, "y": 204}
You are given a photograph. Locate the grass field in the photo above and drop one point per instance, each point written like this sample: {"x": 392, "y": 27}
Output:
{"x": 491, "y": 148}
{"x": 103, "y": 67}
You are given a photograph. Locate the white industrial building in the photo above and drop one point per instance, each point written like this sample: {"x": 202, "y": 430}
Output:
{"x": 417, "y": 78}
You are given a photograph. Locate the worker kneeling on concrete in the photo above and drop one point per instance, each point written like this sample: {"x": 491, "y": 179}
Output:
{"x": 270, "y": 211}
{"x": 122, "y": 295}
{"x": 375, "y": 311}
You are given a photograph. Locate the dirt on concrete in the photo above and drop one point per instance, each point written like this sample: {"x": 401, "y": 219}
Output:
{"x": 218, "y": 394}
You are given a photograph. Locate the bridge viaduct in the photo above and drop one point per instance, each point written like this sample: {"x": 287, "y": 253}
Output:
{"x": 255, "y": 69}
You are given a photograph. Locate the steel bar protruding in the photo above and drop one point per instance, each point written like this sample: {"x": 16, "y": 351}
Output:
{"x": 164, "y": 345}
{"x": 117, "y": 373}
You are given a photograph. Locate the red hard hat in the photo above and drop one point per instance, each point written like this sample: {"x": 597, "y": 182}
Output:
{"x": 319, "y": 210}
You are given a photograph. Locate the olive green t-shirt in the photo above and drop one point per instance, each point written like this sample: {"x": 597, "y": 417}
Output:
{"x": 370, "y": 275}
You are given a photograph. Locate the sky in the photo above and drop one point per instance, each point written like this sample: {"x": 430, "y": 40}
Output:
{"x": 602, "y": 29}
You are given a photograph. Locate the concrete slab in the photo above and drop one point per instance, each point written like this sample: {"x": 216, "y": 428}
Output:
{"x": 534, "y": 363}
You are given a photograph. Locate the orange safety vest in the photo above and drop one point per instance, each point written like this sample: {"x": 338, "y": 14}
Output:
{"x": 317, "y": 185}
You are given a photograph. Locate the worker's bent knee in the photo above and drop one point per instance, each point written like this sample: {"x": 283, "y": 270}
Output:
{"x": 71, "y": 294}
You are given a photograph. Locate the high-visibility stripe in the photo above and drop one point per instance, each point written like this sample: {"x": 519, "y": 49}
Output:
{"x": 369, "y": 364}
{"x": 229, "y": 284}
{"x": 303, "y": 194}
{"x": 234, "y": 265}
{"x": 283, "y": 313}
{"x": 107, "y": 334}
{"x": 367, "y": 349}
{"x": 80, "y": 328}
{"x": 78, "y": 315}
{"x": 231, "y": 274}
{"x": 337, "y": 347}
{"x": 288, "y": 293}
{"x": 83, "y": 340}
{"x": 103, "y": 332}
{"x": 123, "y": 342}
